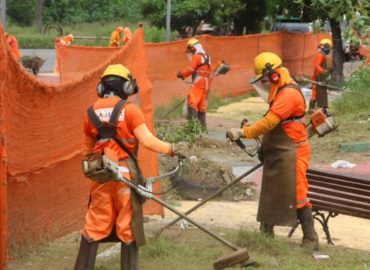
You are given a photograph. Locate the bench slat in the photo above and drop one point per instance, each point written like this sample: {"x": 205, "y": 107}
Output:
{"x": 357, "y": 179}
{"x": 338, "y": 200}
{"x": 337, "y": 186}
{"x": 342, "y": 182}
{"x": 340, "y": 209}
{"x": 340, "y": 194}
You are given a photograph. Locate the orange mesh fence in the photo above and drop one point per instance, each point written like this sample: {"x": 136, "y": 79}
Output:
{"x": 165, "y": 59}
{"x": 42, "y": 136}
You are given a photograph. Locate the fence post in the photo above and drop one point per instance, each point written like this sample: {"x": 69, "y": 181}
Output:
{"x": 3, "y": 207}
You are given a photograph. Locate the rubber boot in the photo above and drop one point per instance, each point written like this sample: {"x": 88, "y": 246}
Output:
{"x": 267, "y": 230}
{"x": 192, "y": 113}
{"x": 202, "y": 118}
{"x": 129, "y": 257}
{"x": 311, "y": 106}
{"x": 86, "y": 255}
{"x": 310, "y": 237}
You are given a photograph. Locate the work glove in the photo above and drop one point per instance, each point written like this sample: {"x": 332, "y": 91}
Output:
{"x": 234, "y": 134}
{"x": 243, "y": 122}
{"x": 180, "y": 149}
{"x": 179, "y": 75}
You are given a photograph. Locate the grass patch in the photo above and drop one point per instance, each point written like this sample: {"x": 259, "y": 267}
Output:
{"x": 193, "y": 249}
{"x": 358, "y": 99}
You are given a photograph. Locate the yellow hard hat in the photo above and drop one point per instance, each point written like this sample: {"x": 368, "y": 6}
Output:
{"x": 326, "y": 41}
{"x": 265, "y": 61}
{"x": 191, "y": 43}
{"x": 117, "y": 70}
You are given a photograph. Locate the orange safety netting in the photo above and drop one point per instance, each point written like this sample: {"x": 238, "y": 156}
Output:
{"x": 41, "y": 142}
{"x": 165, "y": 59}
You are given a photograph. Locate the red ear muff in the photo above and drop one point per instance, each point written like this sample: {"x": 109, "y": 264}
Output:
{"x": 274, "y": 77}
{"x": 271, "y": 73}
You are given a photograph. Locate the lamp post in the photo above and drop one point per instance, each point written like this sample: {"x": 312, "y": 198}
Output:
{"x": 3, "y": 13}
{"x": 168, "y": 21}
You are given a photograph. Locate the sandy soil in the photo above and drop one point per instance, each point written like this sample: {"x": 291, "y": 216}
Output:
{"x": 345, "y": 230}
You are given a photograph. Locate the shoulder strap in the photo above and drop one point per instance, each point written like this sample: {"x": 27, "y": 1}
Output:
{"x": 94, "y": 118}
{"x": 206, "y": 59}
{"x": 106, "y": 131}
{"x": 116, "y": 112}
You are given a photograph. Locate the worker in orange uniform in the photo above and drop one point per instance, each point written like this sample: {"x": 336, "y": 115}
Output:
{"x": 13, "y": 43}
{"x": 200, "y": 70}
{"x": 127, "y": 35}
{"x": 66, "y": 40}
{"x": 115, "y": 210}
{"x": 286, "y": 151}
{"x": 319, "y": 92}
{"x": 115, "y": 37}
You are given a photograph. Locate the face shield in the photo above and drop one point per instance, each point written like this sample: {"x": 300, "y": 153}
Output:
{"x": 262, "y": 87}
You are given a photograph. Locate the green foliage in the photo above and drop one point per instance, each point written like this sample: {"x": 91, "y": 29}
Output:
{"x": 358, "y": 99}
{"x": 188, "y": 132}
{"x": 185, "y": 13}
{"x": 77, "y": 11}
{"x": 21, "y": 11}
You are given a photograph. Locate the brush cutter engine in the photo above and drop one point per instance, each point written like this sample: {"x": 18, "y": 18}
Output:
{"x": 96, "y": 167}
{"x": 322, "y": 122}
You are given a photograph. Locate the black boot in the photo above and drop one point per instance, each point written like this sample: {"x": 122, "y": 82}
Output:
{"x": 86, "y": 255}
{"x": 192, "y": 113}
{"x": 129, "y": 257}
{"x": 202, "y": 118}
{"x": 267, "y": 230}
{"x": 310, "y": 237}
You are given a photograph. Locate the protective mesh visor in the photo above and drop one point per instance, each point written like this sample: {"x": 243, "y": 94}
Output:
{"x": 262, "y": 89}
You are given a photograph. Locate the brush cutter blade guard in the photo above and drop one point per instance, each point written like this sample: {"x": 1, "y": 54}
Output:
{"x": 229, "y": 260}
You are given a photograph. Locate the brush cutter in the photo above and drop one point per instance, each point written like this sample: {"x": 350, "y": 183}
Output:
{"x": 112, "y": 171}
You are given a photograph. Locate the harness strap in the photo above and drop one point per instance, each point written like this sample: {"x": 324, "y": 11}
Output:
{"x": 108, "y": 131}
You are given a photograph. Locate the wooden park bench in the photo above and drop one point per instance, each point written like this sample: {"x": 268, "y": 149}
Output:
{"x": 334, "y": 194}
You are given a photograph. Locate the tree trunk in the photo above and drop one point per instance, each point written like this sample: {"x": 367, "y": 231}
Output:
{"x": 338, "y": 54}
{"x": 39, "y": 6}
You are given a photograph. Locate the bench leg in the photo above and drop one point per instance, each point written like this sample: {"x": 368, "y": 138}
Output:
{"x": 324, "y": 221}
{"x": 292, "y": 230}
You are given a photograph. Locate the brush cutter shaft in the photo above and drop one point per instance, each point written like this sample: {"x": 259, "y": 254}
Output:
{"x": 113, "y": 167}
{"x": 218, "y": 192}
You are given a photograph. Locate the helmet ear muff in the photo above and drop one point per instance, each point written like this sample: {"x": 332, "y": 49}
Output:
{"x": 130, "y": 86}
{"x": 100, "y": 90}
{"x": 273, "y": 76}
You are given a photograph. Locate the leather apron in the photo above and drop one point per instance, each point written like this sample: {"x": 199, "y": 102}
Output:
{"x": 277, "y": 203}
{"x": 137, "y": 201}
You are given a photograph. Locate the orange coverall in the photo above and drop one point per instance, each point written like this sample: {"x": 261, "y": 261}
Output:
{"x": 114, "y": 39}
{"x": 127, "y": 35}
{"x": 13, "y": 43}
{"x": 319, "y": 68}
{"x": 197, "y": 97}
{"x": 111, "y": 202}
